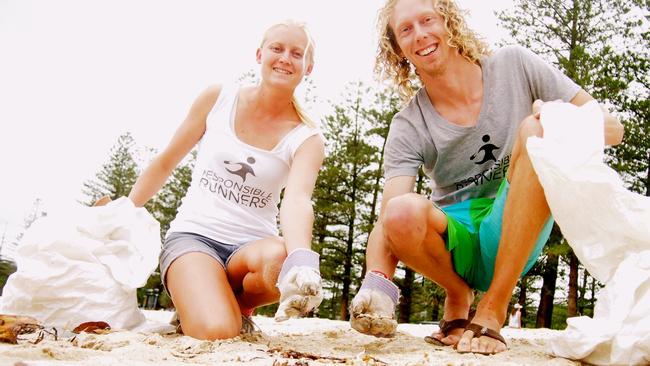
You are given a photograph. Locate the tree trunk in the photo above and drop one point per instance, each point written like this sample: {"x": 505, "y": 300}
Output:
{"x": 523, "y": 284}
{"x": 572, "y": 306}
{"x": 349, "y": 251}
{"x": 545, "y": 310}
{"x": 407, "y": 296}
{"x": 593, "y": 294}
{"x": 435, "y": 307}
{"x": 582, "y": 291}
{"x": 647, "y": 181}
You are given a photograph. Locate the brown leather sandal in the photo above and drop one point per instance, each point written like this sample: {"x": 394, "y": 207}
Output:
{"x": 445, "y": 328}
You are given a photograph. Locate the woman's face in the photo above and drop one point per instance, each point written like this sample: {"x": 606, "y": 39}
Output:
{"x": 283, "y": 56}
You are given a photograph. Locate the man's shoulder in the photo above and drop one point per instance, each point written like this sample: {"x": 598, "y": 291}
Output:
{"x": 412, "y": 113}
{"x": 509, "y": 54}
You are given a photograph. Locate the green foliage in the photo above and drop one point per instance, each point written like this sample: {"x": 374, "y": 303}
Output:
{"x": 603, "y": 45}
{"x": 348, "y": 189}
{"x": 117, "y": 175}
{"x": 164, "y": 205}
{"x": 7, "y": 267}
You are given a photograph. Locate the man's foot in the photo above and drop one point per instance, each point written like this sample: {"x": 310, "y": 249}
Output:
{"x": 455, "y": 319}
{"x": 483, "y": 335}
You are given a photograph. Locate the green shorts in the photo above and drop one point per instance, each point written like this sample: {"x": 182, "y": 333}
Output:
{"x": 473, "y": 234}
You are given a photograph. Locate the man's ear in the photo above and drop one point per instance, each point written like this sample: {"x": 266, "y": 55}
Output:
{"x": 258, "y": 55}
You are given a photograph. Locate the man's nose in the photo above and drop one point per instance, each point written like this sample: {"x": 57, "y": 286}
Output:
{"x": 420, "y": 32}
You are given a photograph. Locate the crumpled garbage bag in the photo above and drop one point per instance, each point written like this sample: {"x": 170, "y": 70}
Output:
{"x": 85, "y": 265}
{"x": 608, "y": 228}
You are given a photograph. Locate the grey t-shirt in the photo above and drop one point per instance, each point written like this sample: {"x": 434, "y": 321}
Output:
{"x": 470, "y": 162}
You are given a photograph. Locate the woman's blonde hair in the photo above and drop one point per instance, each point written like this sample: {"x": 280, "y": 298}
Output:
{"x": 390, "y": 65}
{"x": 308, "y": 58}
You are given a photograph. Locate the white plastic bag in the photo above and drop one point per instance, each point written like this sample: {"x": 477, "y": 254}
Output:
{"x": 85, "y": 265}
{"x": 608, "y": 228}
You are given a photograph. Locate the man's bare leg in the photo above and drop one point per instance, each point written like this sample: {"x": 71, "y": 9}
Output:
{"x": 412, "y": 230}
{"x": 525, "y": 213}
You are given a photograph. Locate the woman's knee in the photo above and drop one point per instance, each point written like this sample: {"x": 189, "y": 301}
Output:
{"x": 213, "y": 328}
{"x": 272, "y": 261}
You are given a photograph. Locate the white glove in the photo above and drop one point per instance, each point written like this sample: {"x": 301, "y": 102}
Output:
{"x": 372, "y": 310}
{"x": 300, "y": 285}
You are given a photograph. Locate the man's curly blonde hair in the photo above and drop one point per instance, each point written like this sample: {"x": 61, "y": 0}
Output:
{"x": 390, "y": 65}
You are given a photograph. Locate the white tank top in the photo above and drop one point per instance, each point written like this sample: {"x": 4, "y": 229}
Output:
{"x": 235, "y": 189}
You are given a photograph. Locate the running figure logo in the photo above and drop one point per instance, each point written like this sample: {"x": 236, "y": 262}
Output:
{"x": 488, "y": 149}
{"x": 243, "y": 170}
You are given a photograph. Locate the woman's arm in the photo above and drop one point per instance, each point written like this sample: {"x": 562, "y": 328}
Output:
{"x": 186, "y": 136}
{"x": 296, "y": 212}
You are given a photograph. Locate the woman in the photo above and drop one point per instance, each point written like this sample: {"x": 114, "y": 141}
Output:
{"x": 222, "y": 256}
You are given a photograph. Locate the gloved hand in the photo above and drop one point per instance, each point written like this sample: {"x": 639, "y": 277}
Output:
{"x": 372, "y": 310}
{"x": 300, "y": 285}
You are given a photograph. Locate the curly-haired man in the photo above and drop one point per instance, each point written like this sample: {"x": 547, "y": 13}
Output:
{"x": 467, "y": 128}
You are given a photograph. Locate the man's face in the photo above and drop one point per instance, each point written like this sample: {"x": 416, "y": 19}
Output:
{"x": 420, "y": 33}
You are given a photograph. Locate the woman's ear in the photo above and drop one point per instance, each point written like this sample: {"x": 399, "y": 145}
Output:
{"x": 310, "y": 67}
{"x": 258, "y": 55}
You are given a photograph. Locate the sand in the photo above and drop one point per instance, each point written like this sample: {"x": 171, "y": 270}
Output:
{"x": 294, "y": 342}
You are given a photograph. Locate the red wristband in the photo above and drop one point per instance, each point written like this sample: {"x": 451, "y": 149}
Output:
{"x": 381, "y": 274}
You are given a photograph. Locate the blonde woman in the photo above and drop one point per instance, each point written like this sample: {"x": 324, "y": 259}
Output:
{"x": 223, "y": 255}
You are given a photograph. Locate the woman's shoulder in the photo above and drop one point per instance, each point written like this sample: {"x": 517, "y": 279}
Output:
{"x": 212, "y": 92}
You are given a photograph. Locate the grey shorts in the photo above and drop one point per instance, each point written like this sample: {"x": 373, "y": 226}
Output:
{"x": 180, "y": 243}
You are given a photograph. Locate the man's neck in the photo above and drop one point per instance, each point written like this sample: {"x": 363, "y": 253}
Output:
{"x": 458, "y": 88}
{"x": 458, "y": 83}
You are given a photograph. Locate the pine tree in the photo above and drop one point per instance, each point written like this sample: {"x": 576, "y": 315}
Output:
{"x": 603, "y": 47}
{"x": 341, "y": 198}
{"x": 117, "y": 175}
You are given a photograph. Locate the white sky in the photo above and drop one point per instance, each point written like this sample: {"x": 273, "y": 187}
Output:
{"x": 76, "y": 74}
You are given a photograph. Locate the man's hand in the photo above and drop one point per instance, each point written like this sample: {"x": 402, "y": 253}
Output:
{"x": 373, "y": 309}
{"x": 300, "y": 285}
{"x": 373, "y": 312}
{"x": 301, "y": 291}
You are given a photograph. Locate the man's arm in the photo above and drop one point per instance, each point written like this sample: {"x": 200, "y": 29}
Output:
{"x": 377, "y": 257}
{"x": 613, "y": 128}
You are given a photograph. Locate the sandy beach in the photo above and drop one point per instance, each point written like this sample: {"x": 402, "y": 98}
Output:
{"x": 294, "y": 342}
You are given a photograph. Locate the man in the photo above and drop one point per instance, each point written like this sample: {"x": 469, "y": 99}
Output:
{"x": 467, "y": 127}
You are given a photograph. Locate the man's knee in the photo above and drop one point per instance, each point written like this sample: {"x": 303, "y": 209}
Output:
{"x": 403, "y": 216}
{"x": 529, "y": 127}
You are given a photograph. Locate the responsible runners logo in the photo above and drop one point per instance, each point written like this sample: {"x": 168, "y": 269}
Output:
{"x": 488, "y": 150}
{"x": 243, "y": 170}
{"x": 231, "y": 185}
